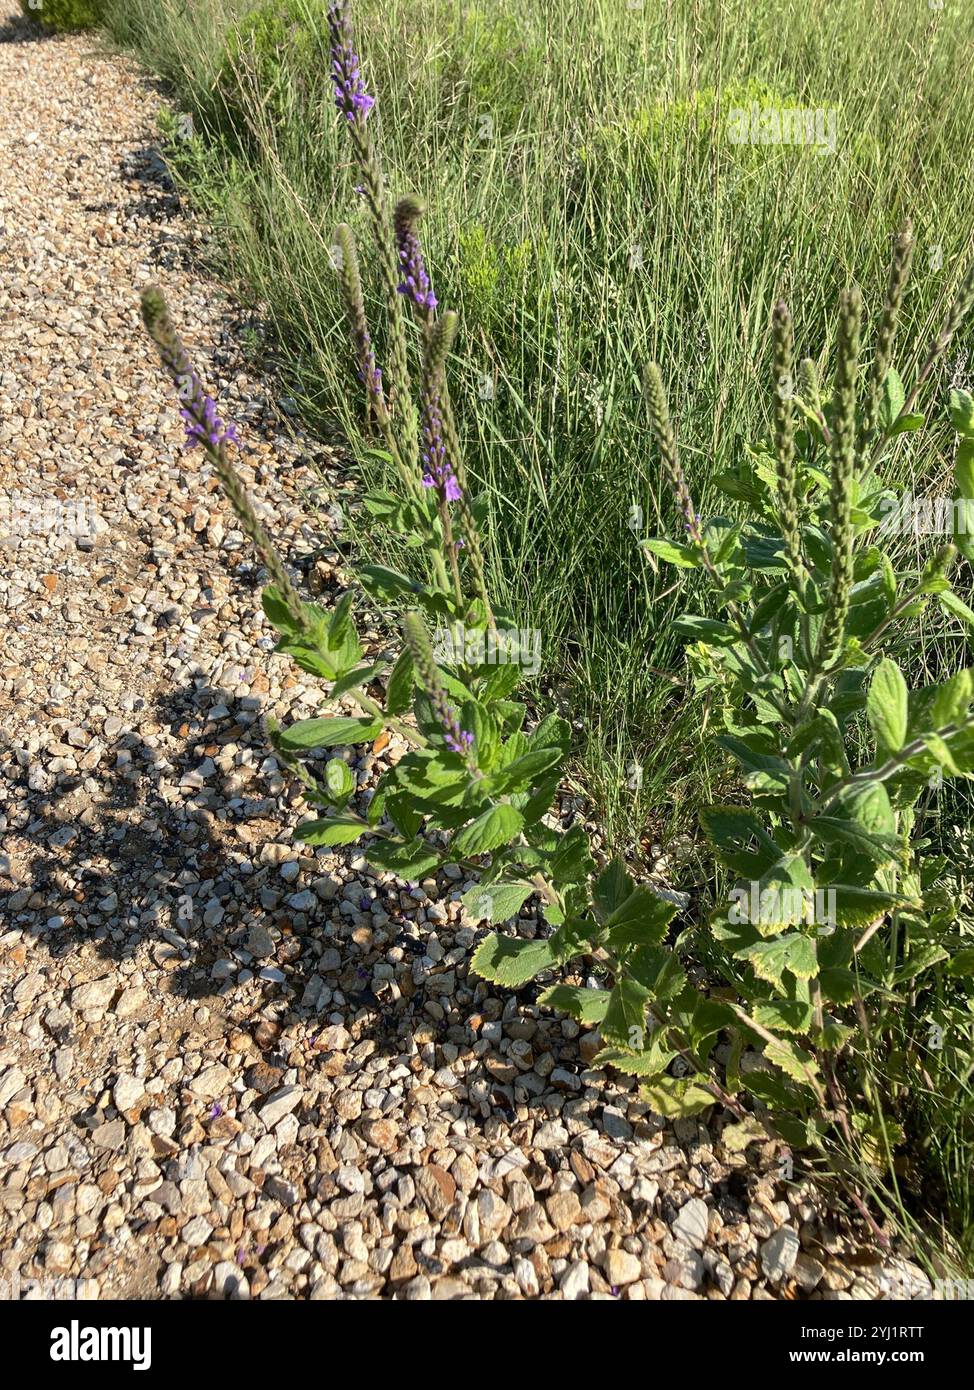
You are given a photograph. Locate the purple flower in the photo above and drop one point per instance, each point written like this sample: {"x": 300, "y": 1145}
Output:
{"x": 458, "y": 741}
{"x": 351, "y": 98}
{"x": 416, "y": 281}
{"x": 370, "y": 374}
{"x": 436, "y": 466}
{"x": 204, "y": 426}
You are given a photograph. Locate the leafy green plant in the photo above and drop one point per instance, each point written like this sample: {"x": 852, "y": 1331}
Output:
{"x": 63, "y": 16}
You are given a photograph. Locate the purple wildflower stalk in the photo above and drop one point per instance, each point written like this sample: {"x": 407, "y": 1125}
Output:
{"x": 438, "y": 471}
{"x": 436, "y": 467}
{"x": 198, "y": 413}
{"x": 204, "y": 427}
{"x": 457, "y": 739}
{"x": 354, "y": 103}
{"x": 416, "y": 281}
{"x": 351, "y": 98}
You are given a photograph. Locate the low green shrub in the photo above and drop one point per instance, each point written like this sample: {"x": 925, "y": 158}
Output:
{"x": 64, "y": 16}
{"x": 275, "y": 59}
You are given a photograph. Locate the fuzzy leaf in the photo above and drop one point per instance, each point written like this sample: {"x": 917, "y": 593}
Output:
{"x": 510, "y": 963}
{"x": 496, "y": 902}
{"x": 962, "y": 412}
{"x": 331, "y": 830}
{"x": 399, "y": 693}
{"x": 496, "y": 826}
{"x": 921, "y": 958}
{"x": 641, "y": 920}
{"x": 586, "y": 1006}
{"x": 329, "y": 733}
{"x": 623, "y": 1023}
{"x": 887, "y": 706}
{"x": 794, "y": 1061}
{"x": 611, "y": 889}
{"x": 770, "y": 959}
{"x": 891, "y": 400}
{"x": 411, "y": 859}
{"x": 680, "y": 555}
{"x": 523, "y": 773}
{"x": 677, "y": 1097}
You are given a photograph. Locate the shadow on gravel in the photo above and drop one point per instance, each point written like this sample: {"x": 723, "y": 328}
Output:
{"x": 145, "y": 862}
{"x": 20, "y": 29}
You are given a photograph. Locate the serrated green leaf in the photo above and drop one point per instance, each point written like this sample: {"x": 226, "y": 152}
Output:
{"x": 794, "y": 1061}
{"x": 908, "y": 424}
{"x": 736, "y": 1137}
{"x": 399, "y": 693}
{"x": 339, "y": 782}
{"x": 887, "y": 706}
{"x": 496, "y": 902}
{"x": 651, "y": 1062}
{"x": 358, "y": 676}
{"x": 505, "y": 961}
{"x": 891, "y": 400}
{"x": 921, "y": 958}
{"x": 523, "y": 773}
{"x": 952, "y": 700}
{"x": 680, "y": 555}
{"x": 624, "y": 1021}
{"x": 494, "y": 827}
{"x": 677, "y": 1097}
{"x": 278, "y": 613}
{"x": 709, "y": 630}
{"x": 411, "y": 859}
{"x": 770, "y": 959}
{"x": 856, "y": 907}
{"x": 962, "y": 962}
{"x": 586, "y": 1006}
{"x": 658, "y": 969}
{"x": 611, "y": 889}
{"x": 640, "y": 921}
{"x": 962, "y": 412}
{"x": 783, "y": 1015}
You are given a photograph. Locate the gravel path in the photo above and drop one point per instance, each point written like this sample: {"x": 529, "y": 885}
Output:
{"x": 228, "y": 1066}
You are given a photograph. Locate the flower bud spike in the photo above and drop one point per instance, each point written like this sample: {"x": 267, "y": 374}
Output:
{"x": 843, "y": 458}
{"x": 899, "y": 274}
{"x": 200, "y": 419}
{"x": 659, "y": 416}
{"x": 351, "y": 283}
{"x": 784, "y": 423}
{"x": 458, "y": 740}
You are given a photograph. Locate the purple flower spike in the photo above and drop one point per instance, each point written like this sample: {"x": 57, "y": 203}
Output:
{"x": 458, "y": 742}
{"x": 416, "y": 281}
{"x": 203, "y": 425}
{"x": 351, "y": 98}
{"x": 208, "y": 430}
{"x": 437, "y": 471}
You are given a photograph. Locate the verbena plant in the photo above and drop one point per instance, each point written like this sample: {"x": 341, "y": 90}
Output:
{"x": 825, "y": 936}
